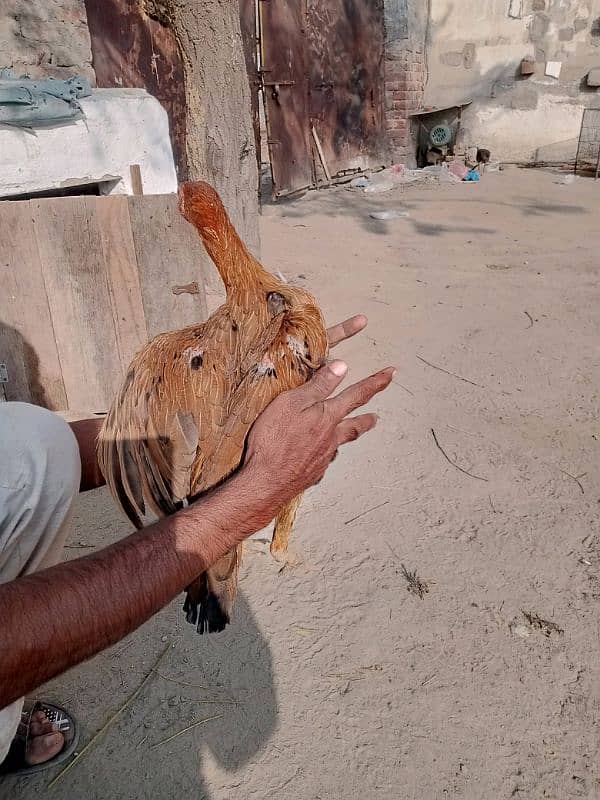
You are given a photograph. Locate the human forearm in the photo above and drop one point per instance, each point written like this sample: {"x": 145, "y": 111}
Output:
{"x": 54, "y": 619}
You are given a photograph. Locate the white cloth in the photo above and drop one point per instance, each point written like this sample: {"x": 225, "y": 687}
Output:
{"x": 40, "y": 471}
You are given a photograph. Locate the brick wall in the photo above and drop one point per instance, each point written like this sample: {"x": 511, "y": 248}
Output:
{"x": 405, "y": 76}
{"x": 406, "y": 23}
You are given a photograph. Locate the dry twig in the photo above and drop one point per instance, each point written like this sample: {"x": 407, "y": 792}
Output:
{"x": 368, "y": 511}
{"x": 576, "y": 478}
{"x": 396, "y": 383}
{"x": 454, "y": 464}
{"x": 453, "y": 374}
{"x": 185, "y": 730}
{"x": 110, "y": 721}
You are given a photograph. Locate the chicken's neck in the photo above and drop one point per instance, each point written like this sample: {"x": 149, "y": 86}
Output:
{"x": 241, "y": 273}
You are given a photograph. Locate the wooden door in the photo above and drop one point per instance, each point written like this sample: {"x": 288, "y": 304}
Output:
{"x": 284, "y": 73}
{"x": 345, "y": 40}
{"x": 322, "y": 66}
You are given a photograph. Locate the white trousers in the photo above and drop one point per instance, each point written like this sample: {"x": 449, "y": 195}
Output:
{"x": 40, "y": 470}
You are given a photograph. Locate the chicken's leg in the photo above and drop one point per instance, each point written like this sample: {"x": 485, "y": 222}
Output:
{"x": 284, "y": 523}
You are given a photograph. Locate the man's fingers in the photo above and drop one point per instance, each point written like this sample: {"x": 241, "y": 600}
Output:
{"x": 351, "y": 428}
{"x": 323, "y": 383}
{"x": 344, "y": 330}
{"x": 360, "y": 393}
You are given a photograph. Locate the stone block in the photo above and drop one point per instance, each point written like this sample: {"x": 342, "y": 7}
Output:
{"x": 593, "y": 77}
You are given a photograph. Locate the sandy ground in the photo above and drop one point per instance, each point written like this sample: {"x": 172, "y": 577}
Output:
{"x": 335, "y": 680}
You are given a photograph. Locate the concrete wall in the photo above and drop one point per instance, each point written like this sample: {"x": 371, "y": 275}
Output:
{"x": 121, "y": 127}
{"x": 45, "y": 38}
{"x": 474, "y": 49}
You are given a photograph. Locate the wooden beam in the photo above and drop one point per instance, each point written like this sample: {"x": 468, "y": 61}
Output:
{"x": 315, "y": 136}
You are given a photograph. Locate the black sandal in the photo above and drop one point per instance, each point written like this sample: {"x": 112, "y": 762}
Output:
{"x": 15, "y": 763}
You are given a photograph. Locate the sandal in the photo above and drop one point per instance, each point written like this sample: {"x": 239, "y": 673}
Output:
{"x": 15, "y": 762}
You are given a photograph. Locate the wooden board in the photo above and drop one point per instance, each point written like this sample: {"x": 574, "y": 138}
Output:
{"x": 82, "y": 288}
{"x": 72, "y": 258}
{"x": 170, "y": 255}
{"x": 121, "y": 266}
{"x": 27, "y": 344}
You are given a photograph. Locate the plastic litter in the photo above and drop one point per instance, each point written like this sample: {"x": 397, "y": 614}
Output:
{"x": 446, "y": 176}
{"x": 432, "y": 169}
{"x": 398, "y": 175}
{"x": 379, "y": 186}
{"x": 458, "y": 169}
{"x": 391, "y": 213}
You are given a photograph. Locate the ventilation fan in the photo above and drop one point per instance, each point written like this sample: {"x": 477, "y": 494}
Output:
{"x": 440, "y": 135}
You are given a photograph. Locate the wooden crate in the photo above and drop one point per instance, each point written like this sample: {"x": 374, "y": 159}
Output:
{"x": 84, "y": 283}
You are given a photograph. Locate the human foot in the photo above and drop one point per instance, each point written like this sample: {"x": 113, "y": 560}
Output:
{"x": 47, "y": 735}
{"x": 44, "y": 740}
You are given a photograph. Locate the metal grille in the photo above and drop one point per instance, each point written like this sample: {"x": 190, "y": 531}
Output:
{"x": 588, "y": 149}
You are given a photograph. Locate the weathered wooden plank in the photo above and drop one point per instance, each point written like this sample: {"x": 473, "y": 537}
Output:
{"x": 169, "y": 255}
{"x": 71, "y": 254}
{"x": 27, "y": 345}
{"x": 122, "y": 273}
{"x": 136, "y": 179}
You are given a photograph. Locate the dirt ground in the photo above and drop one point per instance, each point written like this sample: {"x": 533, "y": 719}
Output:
{"x": 338, "y": 679}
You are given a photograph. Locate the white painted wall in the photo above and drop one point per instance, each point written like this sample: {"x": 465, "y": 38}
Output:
{"x": 549, "y": 132}
{"x": 121, "y": 127}
{"x": 520, "y": 119}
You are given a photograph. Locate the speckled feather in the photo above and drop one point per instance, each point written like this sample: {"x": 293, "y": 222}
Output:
{"x": 179, "y": 423}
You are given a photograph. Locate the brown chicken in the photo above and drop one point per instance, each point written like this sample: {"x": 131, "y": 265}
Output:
{"x": 179, "y": 423}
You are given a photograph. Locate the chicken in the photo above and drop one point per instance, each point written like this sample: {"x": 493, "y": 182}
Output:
{"x": 178, "y": 426}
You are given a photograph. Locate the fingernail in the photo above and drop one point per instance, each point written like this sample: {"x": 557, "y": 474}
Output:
{"x": 339, "y": 368}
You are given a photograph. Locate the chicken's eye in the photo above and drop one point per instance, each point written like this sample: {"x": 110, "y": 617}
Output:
{"x": 196, "y": 362}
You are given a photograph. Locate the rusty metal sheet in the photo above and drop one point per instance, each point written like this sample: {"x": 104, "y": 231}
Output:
{"x": 130, "y": 49}
{"x": 284, "y": 69}
{"x": 346, "y": 56}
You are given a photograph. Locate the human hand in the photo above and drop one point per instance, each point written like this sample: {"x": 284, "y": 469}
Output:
{"x": 298, "y": 435}
{"x": 345, "y": 330}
